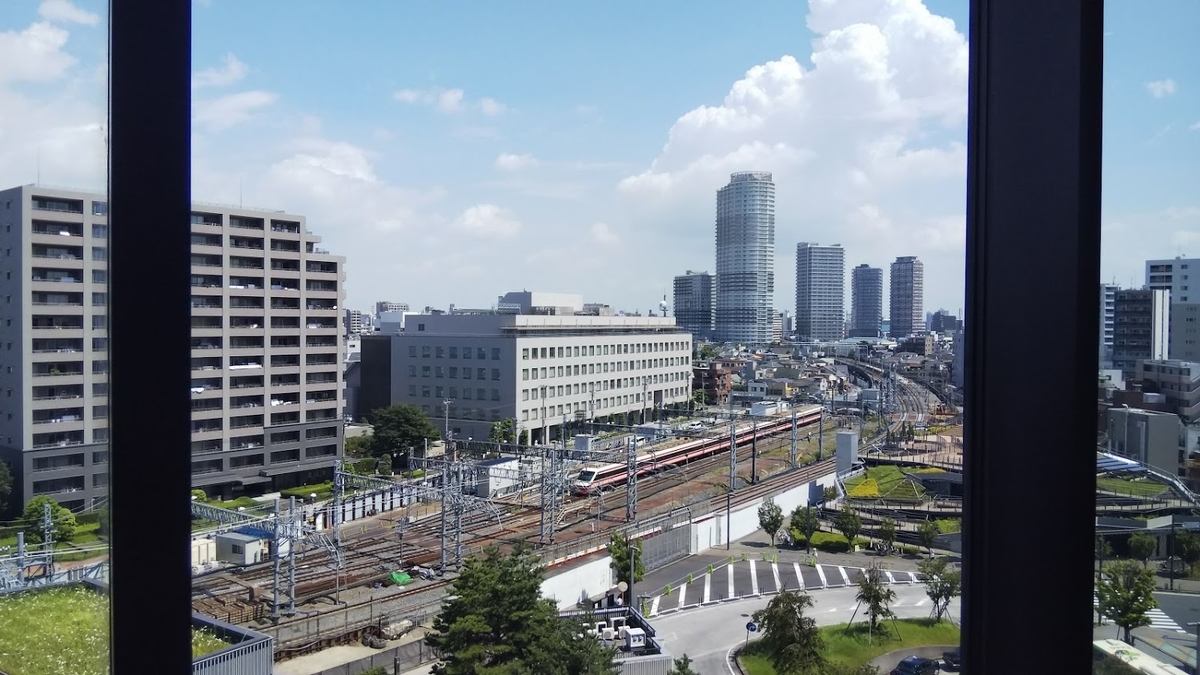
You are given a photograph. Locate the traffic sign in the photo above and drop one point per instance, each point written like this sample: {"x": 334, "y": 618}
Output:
{"x": 751, "y": 627}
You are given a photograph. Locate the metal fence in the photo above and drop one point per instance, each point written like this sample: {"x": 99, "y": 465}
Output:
{"x": 251, "y": 654}
{"x": 670, "y": 528}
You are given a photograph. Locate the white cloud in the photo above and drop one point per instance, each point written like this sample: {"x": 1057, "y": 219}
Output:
{"x": 603, "y": 234}
{"x": 491, "y": 107}
{"x": 510, "y": 162}
{"x": 1161, "y": 88}
{"x": 488, "y": 221}
{"x": 229, "y": 111}
{"x": 449, "y": 101}
{"x": 231, "y": 70}
{"x": 64, "y": 11}
{"x": 34, "y": 55}
{"x": 866, "y": 147}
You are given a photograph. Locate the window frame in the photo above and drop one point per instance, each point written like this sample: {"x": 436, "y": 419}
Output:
{"x": 1033, "y": 175}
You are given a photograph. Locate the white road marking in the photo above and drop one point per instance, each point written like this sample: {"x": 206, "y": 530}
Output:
{"x": 799, "y": 576}
{"x": 753, "y": 579}
{"x": 775, "y": 572}
{"x": 845, "y": 577}
{"x": 729, "y": 569}
{"x": 682, "y": 593}
{"x": 707, "y": 588}
{"x": 821, "y": 573}
{"x": 654, "y": 605}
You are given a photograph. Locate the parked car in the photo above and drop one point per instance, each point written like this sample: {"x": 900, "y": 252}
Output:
{"x": 916, "y": 665}
{"x": 953, "y": 658}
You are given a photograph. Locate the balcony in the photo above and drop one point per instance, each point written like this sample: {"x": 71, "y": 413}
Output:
{"x": 207, "y": 364}
{"x": 49, "y": 279}
{"x": 58, "y": 439}
{"x": 49, "y": 394}
{"x": 246, "y": 323}
{"x": 206, "y": 281}
{"x": 52, "y": 346}
{"x": 205, "y": 220}
{"x": 244, "y": 263}
{"x": 284, "y": 226}
{"x": 246, "y": 243}
{"x": 245, "y": 223}
{"x": 58, "y": 486}
{"x": 247, "y": 422}
{"x": 285, "y": 265}
{"x": 58, "y": 415}
{"x": 58, "y": 205}
{"x": 285, "y": 285}
{"x": 241, "y": 343}
{"x": 58, "y": 369}
{"x": 280, "y": 419}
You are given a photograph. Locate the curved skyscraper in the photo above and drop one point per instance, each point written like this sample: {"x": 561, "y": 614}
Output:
{"x": 746, "y": 258}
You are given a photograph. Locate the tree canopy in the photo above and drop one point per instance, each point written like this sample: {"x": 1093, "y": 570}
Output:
{"x": 682, "y": 666}
{"x": 496, "y": 622}
{"x": 790, "y": 639}
{"x": 848, "y": 522}
{"x": 927, "y": 533}
{"x": 6, "y": 486}
{"x": 887, "y": 531}
{"x": 1126, "y": 595}
{"x": 876, "y": 594}
{"x": 502, "y": 431}
{"x": 770, "y": 518}
{"x": 942, "y": 584}
{"x": 1142, "y": 547}
{"x": 397, "y": 428}
{"x": 805, "y": 521}
{"x": 33, "y": 516}
{"x": 618, "y": 548}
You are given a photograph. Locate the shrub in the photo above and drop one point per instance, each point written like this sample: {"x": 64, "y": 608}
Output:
{"x": 867, "y": 489}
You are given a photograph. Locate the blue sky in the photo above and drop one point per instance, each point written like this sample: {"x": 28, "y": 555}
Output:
{"x": 454, "y": 155}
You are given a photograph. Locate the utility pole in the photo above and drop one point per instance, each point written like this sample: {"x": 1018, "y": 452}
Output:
{"x": 293, "y": 535}
{"x": 275, "y": 568}
{"x": 445, "y": 504}
{"x": 339, "y": 488}
{"x": 644, "y": 403}
{"x": 446, "y": 426}
{"x": 592, "y": 409}
{"x": 48, "y": 537}
{"x": 792, "y": 453}
{"x": 821, "y": 435}
{"x": 754, "y": 453}
{"x": 631, "y": 480}
{"x": 732, "y": 475}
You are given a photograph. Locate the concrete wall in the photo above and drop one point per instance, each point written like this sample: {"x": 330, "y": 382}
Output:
{"x": 569, "y": 586}
{"x": 710, "y": 531}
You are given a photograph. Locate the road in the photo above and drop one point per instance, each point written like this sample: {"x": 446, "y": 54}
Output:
{"x": 707, "y": 634}
{"x": 1177, "y": 610}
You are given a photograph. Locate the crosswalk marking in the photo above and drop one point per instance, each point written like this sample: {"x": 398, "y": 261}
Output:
{"x": 707, "y": 588}
{"x": 753, "y": 579}
{"x": 845, "y": 577}
{"x": 891, "y": 579}
{"x": 775, "y": 573}
{"x": 821, "y": 573}
{"x": 654, "y": 605}
{"x": 799, "y": 576}
{"x": 1159, "y": 620}
{"x": 729, "y": 569}
{"x": 922, "y": 601}
{"x": 682, "y": 593}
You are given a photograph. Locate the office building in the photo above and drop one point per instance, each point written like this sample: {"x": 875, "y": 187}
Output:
{"x": 820, "y": 292}
{"x": 1184, "y": 340}
{"x": 1108, "y": 304}
{"x": 354, "y": 322}
{"x": 1178, "y": 381}
{"x": 745, "y": 258}
{"x": 943, "y": 322}
{"x": 1140, "y": 320}
{"x": 866, "y": 301}
{"x": 385, "y": 306}
{"x": 907, "y": 302}
{"x": 542, "y": 370}
{"x": 696, "y": 304}
{"x": 1174, "y": 275}
{"x": 266, "y": 348}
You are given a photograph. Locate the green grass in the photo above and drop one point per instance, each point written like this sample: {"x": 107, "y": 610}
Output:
{"x": 827, "y": 542}
{"x": 64, "y": 630}
{"x": 1124, "y": 486}
{"x": 852, "y": 648}
{"x": 890, "y": 482}
{"x": 949, "y": 525}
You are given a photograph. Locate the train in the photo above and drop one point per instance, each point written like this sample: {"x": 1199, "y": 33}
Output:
{"x": 596, "y": 477}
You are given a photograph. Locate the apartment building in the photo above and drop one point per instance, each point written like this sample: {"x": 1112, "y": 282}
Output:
{"x": 745, "y": 272}
{"x": 1108, "y": 307}
{"x": 543, "y": 370}
{"x": 820, "y": 292}
{"x": 1177, "y": 380}
{"x": 695, "y": 303}
{"x": 354, "y": 322}
{"x": 266, "y": 348}
{"x": 907, "y": 300}
{"x": 866, "y": 301}
{"x": 1140, "y": 321}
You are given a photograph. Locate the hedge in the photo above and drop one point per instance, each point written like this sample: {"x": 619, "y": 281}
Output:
{"x": 303, "y": 491}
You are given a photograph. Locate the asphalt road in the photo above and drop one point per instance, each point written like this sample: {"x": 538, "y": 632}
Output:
{"x": 707, "y": 634}
{"x": 1182, "y": 608}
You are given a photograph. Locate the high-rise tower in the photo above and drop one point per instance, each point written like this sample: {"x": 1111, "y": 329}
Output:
{"x": 820, "y": 291}
{"x": 908, "y": 297}
{"x": 866, "y": 301}
{"x": 745, "y": 258}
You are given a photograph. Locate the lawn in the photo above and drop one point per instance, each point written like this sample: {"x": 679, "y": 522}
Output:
{"x": 853, "y": 648}
{"x": 884, "y": 482}
{"x": 1124, "y": 486}
{"x": 64, "y": 630}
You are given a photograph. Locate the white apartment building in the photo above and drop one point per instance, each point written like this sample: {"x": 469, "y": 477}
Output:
{"x": 266, "y": 348}
{"x": 542, "y": 370}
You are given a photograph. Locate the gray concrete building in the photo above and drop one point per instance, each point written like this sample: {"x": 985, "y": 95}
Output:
{"x": 387, "y": 306}
{"x": 907, "y": 300}
{"x": 1174, "y": 275}
{"x": 355, "y": 322}
{"x": 1148, "y": 436}
{"x": 266, "y": 348}
{"x": 1140, "y": 328}
{"x": 1177, "y": 380}
{"x": 820, "y": 292}
{"x": 866, "y": 301}
{"x": 1108, "y": 307}
{"x": 695, "y": 303}
{"x": 467, "y": 371}
{"x": 745, "y": 258}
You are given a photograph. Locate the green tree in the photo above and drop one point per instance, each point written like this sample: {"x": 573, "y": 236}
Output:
{"x": 501, "y": 431}
{"x": 706, "y": 352}
{"x": 699, "y": 396}
{"x": 498, "y": 622}
{"x": 829, "y": 494}
{"x": 770, "y": 518}
{"x": 927, "y": 533}
{"x": 1104, "y": 549}
{"x": 804, "y": 521}
{"x": 618, "y": 548}
{"x": 848, "y": 522}
{"x": 523, "y": 439}
{"x": 887, "y": 531}
{"x": 790, "y": 639}
{"x": 1187, "y": 547}
{"x": 877, "y": 595}
{"x": 1126, "y": 595}
{"x": 200, "y": 495}
{"x": 62, "y": 519}
{"x": 6, "y": 486}
{"x": 942, "y": 583}
{"x": 1142, "y": 547}
{"x": 683, "y": 666}
{"x": 397, "y": 428}
{"x": 358, "y": 446}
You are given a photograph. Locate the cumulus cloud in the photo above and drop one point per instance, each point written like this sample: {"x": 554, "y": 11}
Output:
{"x": 34, "y": 54}
{"x": 603, "y": 234}
{"x": 231, "y": 70}
{"x": 488, "y": 221}
{"x": 510, "y": 162}
{"x": 1161, "y": 88}
{"x": 66, "y": 12}
{"x": 866, "y": 147}
{"x": 229, "y": 111}
{"x": 448, "y": 101}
